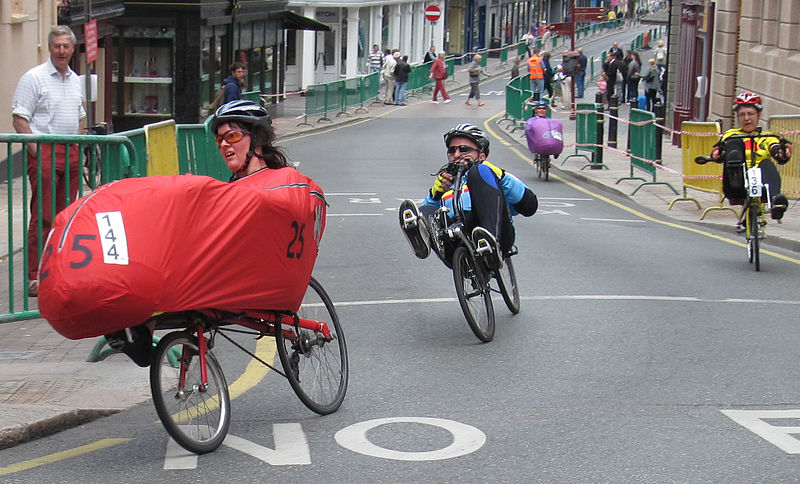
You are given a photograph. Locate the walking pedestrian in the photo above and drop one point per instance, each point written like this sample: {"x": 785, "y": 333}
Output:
{"x": 580, "y": 79}
{"x": 474, "y": 79}
{"x": 48, "y": 100}
{"x": 439, "y": 74}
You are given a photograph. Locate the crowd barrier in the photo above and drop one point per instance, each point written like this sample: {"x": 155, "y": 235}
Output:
{"x": 695, "y": 141}
{"x": 588, "y": 135}
{"x": 643, "y": 143}
{"x": 789, "y": 126}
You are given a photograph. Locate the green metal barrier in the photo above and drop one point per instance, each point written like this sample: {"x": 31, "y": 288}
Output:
{"x": 115, "y": 162}
{"x": 643, "y": 148}
{"x": 198, "y": 153}
{"x": 252, "y": 96}
{"x": 139, "y": 162}
{"x": 586, "y": 119}
{"x": 316, "y": 103}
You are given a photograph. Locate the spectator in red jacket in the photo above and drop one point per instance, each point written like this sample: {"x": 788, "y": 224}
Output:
{"x": 439, "y": 74}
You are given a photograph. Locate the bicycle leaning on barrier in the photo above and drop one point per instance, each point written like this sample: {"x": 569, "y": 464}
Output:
{"x": 749, "y": 178}
{"x": 469, "y": 226}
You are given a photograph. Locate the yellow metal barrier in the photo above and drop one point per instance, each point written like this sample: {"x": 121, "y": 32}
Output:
{"x": 162, "y": 148}
{"x": 695, "y": 141}
{"x": 790, "y": 172}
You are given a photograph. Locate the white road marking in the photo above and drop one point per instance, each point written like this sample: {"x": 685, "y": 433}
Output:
{"x": 778, "y": 435}
{"x": 579, "y": 297}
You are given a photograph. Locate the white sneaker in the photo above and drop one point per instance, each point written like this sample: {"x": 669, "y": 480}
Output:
{"x": 435, "y": 102}
{"x": 447, "y": 100}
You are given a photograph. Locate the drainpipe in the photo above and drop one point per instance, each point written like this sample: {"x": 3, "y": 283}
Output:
{"x": 736, "y": 57}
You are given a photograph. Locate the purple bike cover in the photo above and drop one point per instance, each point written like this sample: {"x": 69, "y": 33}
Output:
{"x": 544, "y": 136}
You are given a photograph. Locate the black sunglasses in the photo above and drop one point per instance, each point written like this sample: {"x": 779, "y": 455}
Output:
{"x": 451, "y": 150}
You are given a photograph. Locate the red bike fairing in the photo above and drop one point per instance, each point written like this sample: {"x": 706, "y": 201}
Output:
{"x": 161, "y": 244}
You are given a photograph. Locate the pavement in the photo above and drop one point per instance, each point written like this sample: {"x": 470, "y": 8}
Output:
{"x": 46, "y": 384}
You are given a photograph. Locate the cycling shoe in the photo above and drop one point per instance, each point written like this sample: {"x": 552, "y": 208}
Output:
{"x": 415, "y": 229}
{"x": 487, "y": 246}
{"x": 140, "y": 350}
{"x": 779, "y": 205}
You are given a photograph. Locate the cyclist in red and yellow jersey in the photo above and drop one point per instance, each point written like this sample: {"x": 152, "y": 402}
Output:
{"x": 747, "y": 107}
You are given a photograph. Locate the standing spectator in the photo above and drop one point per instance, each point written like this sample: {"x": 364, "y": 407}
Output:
{"x": 614, "y": 48}
{"x": 602, "y": 87}
{"x": 660, "y": 56}
{"x": 614, "y": 69}
{"x": 559, "y": 84}
{"x": 580, "y": 80}
{"x": 627, "y": 58}
{"x": 515, "y": 68}
{"x": 536, "y": 71}
{"x": 430, "y": 55}
{"x": 475, "y": 79}
{"x": 652, "y": 84}
{"x": 48, "y": 101}
{"x": 375, "y": 59}
{"x": 401, "y": 72}
{"x": 439, "y": 74}
{"x": 389, "y": 64}
{"x": 548, "y": 74}
{"x": 234, "y": 82}
{"x": 634, "y": 74}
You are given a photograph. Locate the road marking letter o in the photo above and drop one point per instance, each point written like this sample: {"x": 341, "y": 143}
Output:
{"x": 466, "y": 439}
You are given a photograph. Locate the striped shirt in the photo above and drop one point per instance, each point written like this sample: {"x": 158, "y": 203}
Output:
{"x": 376, "y": 60}
{"x": 51, "y": 103}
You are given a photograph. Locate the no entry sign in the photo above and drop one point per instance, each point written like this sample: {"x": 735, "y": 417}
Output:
{"x": 432, "y": 13}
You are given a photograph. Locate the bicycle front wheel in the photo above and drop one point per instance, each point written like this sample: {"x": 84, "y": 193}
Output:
{"x": 507, "y": 281}
{"x": 197, "y": 416}
{"x": 538, "y": 162}
{"x": 474, "y": 294}
{"x": 752, "y": 237}
{"x": 317, "y": 368}
{"x": 546, "y": 167}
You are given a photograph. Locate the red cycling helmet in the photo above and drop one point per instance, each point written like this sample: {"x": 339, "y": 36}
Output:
{"x": 747, "y": 99}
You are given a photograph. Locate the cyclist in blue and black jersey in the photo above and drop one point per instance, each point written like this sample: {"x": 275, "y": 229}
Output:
{"x": 490, "y": 197}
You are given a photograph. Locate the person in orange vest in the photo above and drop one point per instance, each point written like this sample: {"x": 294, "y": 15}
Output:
{"x": 536, "y": 71}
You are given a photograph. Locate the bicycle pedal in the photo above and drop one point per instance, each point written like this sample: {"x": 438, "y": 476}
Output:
{"x": 409, "y": 219}
{"x": 483, "y": 247}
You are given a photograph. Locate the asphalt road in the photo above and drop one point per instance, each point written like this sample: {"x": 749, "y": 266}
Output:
{"x": 634, "y": 339}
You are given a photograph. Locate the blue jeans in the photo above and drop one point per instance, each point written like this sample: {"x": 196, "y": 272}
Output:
{"x": 580, "y": 80}
{"x": 400, "y": 92}
{"x": 537, "y": 85}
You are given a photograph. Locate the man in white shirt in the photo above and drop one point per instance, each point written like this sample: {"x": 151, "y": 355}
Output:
{"x": 48, "y": 100}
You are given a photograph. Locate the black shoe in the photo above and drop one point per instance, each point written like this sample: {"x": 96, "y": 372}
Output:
{"x": 414, "y": 228}
{"x": 140, "y": 350}
{"x": 779, "y": 205}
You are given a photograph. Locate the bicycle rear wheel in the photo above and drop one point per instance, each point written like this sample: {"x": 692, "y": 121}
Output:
{"x": 507, "y": 281}
{"x": 752, "y": 237}
{"x": 317, "y": 369}
{"x": 474, "y": 294}
{"x": 196, "y": 416}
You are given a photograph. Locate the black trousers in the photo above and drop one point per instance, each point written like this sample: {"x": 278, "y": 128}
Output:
{"x": 489, "y": 210}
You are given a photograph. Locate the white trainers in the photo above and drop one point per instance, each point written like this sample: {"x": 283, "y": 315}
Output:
{"x": 486, "y": 245}
{"x": 435, "y": 101}
{"x": 447, "y": 100}
{"x": 415, "y": 229}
